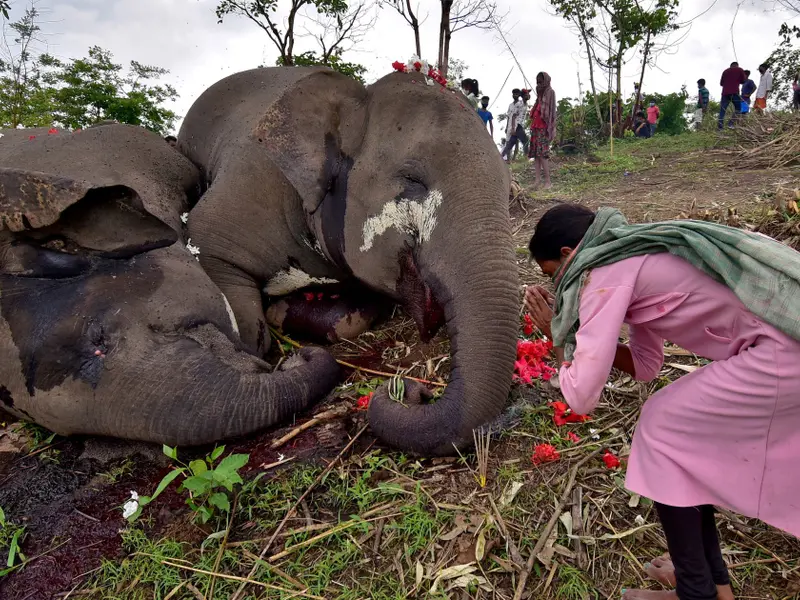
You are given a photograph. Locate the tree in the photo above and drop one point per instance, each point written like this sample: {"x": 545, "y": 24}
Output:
{"x": 784, "y": 62}
{"x": 5, "y": 6}
{"x": 461, "y": 14}
{"x": 94, "y": 89}
{"x": 611, "y": 30}
{"x": 409, "y": 14}
{"x": 24, "y": 95}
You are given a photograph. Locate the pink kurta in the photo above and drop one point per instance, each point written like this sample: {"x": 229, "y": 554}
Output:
{"x": 727, "y": 434}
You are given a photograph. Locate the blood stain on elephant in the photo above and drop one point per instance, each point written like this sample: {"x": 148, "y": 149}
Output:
{"x": 5, "y": 397}
{"x": 58, "y": 324}
{"x": 413, "y": 217}
{"x": 336, "y": 172}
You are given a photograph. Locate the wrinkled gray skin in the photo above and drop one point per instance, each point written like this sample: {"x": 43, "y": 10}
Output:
{"x": 300, "y": 162}
{"x": 108, "y": 325}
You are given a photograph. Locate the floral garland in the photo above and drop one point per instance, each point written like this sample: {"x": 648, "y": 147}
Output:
{"x": 416, "y": 64}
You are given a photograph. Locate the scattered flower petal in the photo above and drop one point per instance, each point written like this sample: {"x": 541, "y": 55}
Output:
{"x": 595, "y": 435}
{"x": 544, "y": 453}
{"x": 52, "y": 131}
{"x": 612, "y": 462}
{"x": 185, "y": 218}
{"x": 527, "y": 329}
{"x": 363, "y": 402}
{"x": 639, "y": 520}
{"x": 562, "y": 414}
{"x": 573, "y": 437}
{"x": 131, "y": 506}
{"x": 309, "y": 296}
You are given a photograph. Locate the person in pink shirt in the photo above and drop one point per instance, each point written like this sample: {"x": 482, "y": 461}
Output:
{"x": 727, "y": 434}
{"x": 653, "y": 113}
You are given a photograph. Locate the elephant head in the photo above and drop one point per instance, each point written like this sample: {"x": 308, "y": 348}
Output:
{"x": 402, "y": 189}
{"x": 108, "y": 324}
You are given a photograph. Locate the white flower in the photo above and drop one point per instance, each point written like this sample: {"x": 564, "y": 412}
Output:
{"x": 424, "y": 68}
{"x": 639, "y": 520}
{"x": 281, "y": 457}
{"x": 2, "y": 135}
{"x": 193, "y": 250}
{"x": 185, "y": 218}
{"x": 131, "y": 506}
{"x": 595, "y": 435}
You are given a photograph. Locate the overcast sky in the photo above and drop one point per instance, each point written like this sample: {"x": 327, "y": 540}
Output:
{"x": 184, "y": 37}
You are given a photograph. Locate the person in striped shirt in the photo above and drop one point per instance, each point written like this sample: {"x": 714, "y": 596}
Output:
{"x": 702, "y": 102}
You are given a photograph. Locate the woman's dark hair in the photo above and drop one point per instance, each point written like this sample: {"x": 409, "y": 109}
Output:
{"x": 561, "y": 226}
{"x": 471, "y": 85}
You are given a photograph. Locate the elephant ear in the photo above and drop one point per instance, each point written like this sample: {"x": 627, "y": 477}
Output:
{"x": 107, "y": 220}
{"x": 312, "y": 131}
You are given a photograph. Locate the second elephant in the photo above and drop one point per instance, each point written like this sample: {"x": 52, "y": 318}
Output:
{"x": 314, "y": 179}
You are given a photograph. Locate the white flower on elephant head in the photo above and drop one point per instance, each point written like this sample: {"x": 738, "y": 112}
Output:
{"x": 131, "y": 506}
{"x": 185, "y": 218}
{"x": 193, "y": 250}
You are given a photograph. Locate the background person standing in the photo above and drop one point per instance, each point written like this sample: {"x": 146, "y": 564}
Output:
{"x": 653, "y": 112}
{"x": 764, "y": 88}
{"x": 543, "y": 128}
{"x": 702, "y": 103}
{"x": 748, "y": 87}
{"x": 485, "y": 115}
{"x": 731, "y": 79}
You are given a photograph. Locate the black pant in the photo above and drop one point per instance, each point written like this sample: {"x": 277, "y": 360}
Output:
{"x": 693, "y": 545}
{"x": 518, "y": 135}
{"x": 724, "y": 102}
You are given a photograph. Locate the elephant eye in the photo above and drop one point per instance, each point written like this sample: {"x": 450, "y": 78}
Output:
{"x": 413, "y": 188}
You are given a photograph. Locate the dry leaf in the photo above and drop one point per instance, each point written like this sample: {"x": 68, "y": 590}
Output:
{"x": 466, "y": 581}
{"x": 685, "y": 368}
{"x": 634, "y": 501}
{"x": 566, "y": 520}
{"x": 511, "y": 491}
{"x": 452, "y": 573}
{"x": 480, "y": 547}
{"x": 420, "y": 573}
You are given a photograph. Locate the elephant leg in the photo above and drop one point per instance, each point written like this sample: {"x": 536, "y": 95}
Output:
{"x": 243, "y": 297}
{"x": 327, "y": 314}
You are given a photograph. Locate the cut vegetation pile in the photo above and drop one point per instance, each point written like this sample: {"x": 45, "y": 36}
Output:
{"x": 768, "y": 141}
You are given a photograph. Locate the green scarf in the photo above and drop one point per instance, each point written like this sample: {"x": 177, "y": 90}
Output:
{"x": 763, "y": 273}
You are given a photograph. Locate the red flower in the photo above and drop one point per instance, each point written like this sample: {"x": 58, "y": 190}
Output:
{"x": 573, "y": 437}
{"x": 544, "y": 453}
{"x": 612, "y": 462}
{"x": 320, "y": 296}
{"x": 52, "y": 131}
{"x": 309, "y": 296}
{"x": 363, "y": 402}
{"x": 528, "y": 328}
{"x": 562, "y": 414}
{"x": 31, "y": 138}
{"x": 398, "y": 66}
{"x": 418, "y": 65}
{"x": 530, "y": 362}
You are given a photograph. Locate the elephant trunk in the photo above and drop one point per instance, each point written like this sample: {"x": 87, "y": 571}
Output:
{"x": 200, "y": 389}
{"x": 478, "y": 289}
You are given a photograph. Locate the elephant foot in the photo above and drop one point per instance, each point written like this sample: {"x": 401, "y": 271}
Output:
{"x": 327, "y": 314}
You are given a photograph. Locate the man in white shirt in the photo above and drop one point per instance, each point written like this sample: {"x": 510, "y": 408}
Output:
{"x": 515, "y": 127}
{"x": 764, "y": 89}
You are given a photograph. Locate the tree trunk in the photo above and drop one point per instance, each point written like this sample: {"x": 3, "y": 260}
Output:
{"x": 582, "y": 27}
{"x": 638, "y": 101}
{"x": 415, "y": 26}
{"x": 444, "y": 35}
{"x": 618, "y": 104}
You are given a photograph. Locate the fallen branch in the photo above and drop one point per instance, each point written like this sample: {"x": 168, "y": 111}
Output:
{"x": 328, "y": 415}
{"x": 292, "y": 510}
{"x": 543, "y": 537}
